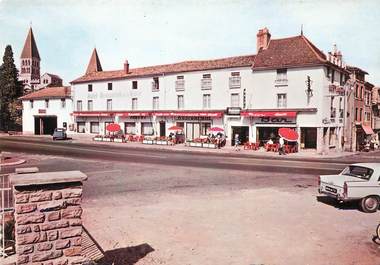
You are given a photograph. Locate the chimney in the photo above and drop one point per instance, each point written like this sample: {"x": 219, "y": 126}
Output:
{"x": 126, "y": 67}
{"x": 263, "y": 38}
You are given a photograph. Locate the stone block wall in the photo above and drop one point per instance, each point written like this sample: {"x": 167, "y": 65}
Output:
{"x": 48, "y": 223}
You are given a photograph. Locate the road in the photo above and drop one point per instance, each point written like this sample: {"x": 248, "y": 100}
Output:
{"x": 195, "y": 208}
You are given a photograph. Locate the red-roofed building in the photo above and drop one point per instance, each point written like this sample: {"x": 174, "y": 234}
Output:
{"x": 47, "y": 109}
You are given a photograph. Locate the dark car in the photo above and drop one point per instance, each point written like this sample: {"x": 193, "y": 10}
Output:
{"x": 59, "y": 134}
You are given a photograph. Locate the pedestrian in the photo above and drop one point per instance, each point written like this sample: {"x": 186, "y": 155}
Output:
{"x": 218, "y": 140}
{"x": 281, "y": 149}
{"x": 237, "y": 142}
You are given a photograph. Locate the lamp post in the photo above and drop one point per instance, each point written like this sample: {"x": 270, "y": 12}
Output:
{"x": 309, "y": 90}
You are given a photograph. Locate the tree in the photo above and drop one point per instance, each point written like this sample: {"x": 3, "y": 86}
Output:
{"x": 10, "y": 90}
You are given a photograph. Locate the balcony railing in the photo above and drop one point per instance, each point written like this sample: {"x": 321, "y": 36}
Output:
{"x": 180, "y": 85}
{"x": 281, "y": 82}
{"x": 235, "y": 82}
{"x": 155, "y": 86}
{"x": 206, "y": 83}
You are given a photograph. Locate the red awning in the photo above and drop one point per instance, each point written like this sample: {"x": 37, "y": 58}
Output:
{"x": 92, "y": 114}
{"x": 134, "y": 114}
{"x": 367, "y": 129}
{"x": 189, "y": 114}
{"x": 290, "y": 114}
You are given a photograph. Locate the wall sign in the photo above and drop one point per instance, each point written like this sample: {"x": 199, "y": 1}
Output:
{"x": 275, "y": 120}
{"x": 42, "y": 111}
{"x": 233, "y": 111}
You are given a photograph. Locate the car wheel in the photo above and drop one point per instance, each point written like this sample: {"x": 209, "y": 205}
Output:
{"x": 370, "y": 204}
{"x": 54, "y": 139}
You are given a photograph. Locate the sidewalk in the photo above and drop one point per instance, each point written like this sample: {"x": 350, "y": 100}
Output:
{"x": 224, "y": 150}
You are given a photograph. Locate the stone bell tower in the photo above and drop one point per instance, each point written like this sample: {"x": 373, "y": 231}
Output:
{"x": 30, "y": 63}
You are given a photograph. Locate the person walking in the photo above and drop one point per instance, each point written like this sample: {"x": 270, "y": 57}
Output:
{"x": 281, "y": 149}
{"x": 237, "y": 142}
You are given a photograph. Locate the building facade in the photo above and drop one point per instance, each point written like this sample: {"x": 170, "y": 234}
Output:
{"x": 47, "y": 109}
{"x": 50, "y": 80}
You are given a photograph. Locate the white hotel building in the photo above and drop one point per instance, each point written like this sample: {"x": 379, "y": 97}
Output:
{"x": 288, "y": 83}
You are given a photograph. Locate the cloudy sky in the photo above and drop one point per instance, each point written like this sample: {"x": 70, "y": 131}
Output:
{"x": 159, "y": 32}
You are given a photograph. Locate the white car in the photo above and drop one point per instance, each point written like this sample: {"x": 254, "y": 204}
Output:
{"x": 356, "y": 182}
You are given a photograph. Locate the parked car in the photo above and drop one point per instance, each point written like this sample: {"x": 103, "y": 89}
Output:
{"x": 59, "y": 134}
{"x": 356, "y": 182}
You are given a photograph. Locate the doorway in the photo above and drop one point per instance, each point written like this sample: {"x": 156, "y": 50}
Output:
{"x": 162, "y": 128}
{"x": 243, "y": 132}
{"x": 45, "y": 125}
{"x": 308, "y": 138}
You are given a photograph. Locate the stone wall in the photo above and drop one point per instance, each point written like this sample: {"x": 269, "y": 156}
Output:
{"x": 48, "y": 223}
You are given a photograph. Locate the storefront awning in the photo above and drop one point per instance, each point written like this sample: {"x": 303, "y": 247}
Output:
{"x": 367, "y": 129}
{"x": 189, "y": 114}
{"x": 290, "y": 114}
{"x": 92, "y": 114}
{"x": 134, "y": 114}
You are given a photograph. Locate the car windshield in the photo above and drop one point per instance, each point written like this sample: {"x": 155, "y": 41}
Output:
{"x": 358, "y": 171}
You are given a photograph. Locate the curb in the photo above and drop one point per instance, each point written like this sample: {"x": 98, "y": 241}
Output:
{"x": 14, "y": 163}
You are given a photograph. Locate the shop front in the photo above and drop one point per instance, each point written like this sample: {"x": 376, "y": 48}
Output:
{"x": 363, "y": 136}
{"x": 265, "y": 124}
{"x": 136, "y": 122}
{"x": 195, "y": 124}
{"x": 93, "y": 122}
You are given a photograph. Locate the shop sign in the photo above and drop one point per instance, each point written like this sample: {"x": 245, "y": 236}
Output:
{"x": 92, "y": 114}
{"x": 42, "y": 111}
{"x": 275, "y": 120}
{"x": 233, "y": 111}
{"x": 193, "y": 118}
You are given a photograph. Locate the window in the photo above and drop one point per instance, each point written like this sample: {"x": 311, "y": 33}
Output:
{"x": 235, "y": 100}
{"x": 206, "y": 81}
{"x": 147, "y": 128}
{"x": 332, "y": 76}
{"x": 206, "y": 101}
{"x": 130, "y": 128}
{"x": 357, "y": 90}
{"x": 134, "y": 103}
{"x": 155, "y": 103}
{"x": 79, "y": 105}
{"x": 94, "y": 127}
{"x": 180, "y": 83}
{"x": 235, "y": 80}
{"x": 31, "y": 104}
{"x": 63, "y": 103}
{"x": 89, "y": 88}
{"x": 282, "y": 75}
{"x": 356, "y": 114}
{"x": 134, "y": 85}
{"x": 46, "y": 103}
{"x": 281, "y": 100}
{"x": 180, "y": 102}
{"x": 205, "y": 128}
{"x": 89, "y": 105}
{"x": 109, "y": 86}
{"x": 155, "y": 84}
{"x": 109, "y": 104}
{"x": 361, "y": 114}
{"x": 361, "y": 93}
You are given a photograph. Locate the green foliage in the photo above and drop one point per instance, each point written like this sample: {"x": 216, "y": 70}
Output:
{"x": 10, "y": 90}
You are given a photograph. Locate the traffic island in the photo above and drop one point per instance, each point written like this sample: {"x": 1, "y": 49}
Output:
{"x": 48, "y": 224}
{"x": 10, "y": 161}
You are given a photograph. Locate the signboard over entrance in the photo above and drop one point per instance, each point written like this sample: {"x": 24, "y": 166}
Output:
{"x": 41, "y": 111}
{"x": 275, "y": 120}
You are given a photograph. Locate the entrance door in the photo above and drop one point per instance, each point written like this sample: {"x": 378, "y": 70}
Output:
{"x": 162, "y": 128}
{"x": 45, "y": 125}
{"x": 243, "y": 132}
{"x": 309, "y": 138}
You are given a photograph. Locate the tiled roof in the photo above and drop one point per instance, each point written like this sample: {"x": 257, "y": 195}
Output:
{"x": 48, "y": 93}
{"x": 289, "y": 52}
{"x": 30, "y": 48}
{"x": 53, "y": 75}
{"x": 355, "y": 69}
{"x": 186, "y": 66}
{"x": 94, "y": 63}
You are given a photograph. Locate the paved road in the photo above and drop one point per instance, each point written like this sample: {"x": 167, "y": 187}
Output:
{"x": 153, "y": 156}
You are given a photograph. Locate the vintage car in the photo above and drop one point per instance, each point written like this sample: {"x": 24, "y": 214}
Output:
{"x": 59, "y": 134}
{"x": 356, "y": 182}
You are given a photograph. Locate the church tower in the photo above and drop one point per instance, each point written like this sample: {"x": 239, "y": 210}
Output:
{"x": 30, "y": 63}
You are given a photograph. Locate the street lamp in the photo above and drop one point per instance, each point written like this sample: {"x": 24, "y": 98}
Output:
{"x": 309, "y": 90}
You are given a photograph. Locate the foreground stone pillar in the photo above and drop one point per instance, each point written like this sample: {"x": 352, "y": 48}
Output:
{"x": 48, "y": 217}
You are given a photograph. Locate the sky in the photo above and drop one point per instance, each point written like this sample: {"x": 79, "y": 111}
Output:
{"x": 159, "y": 32}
